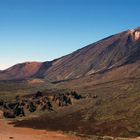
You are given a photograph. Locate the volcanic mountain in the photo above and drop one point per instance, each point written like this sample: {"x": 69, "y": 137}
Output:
{"x": 20, "y": 71}
{"x": 107, "y": 76}
{"x": 119, "y": 50}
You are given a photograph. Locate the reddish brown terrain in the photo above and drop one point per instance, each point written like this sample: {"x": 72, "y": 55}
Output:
{"x": 7, "y": 131}
{"x": 20, "y": 71}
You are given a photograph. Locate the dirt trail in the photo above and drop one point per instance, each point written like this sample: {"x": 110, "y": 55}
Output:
{"x": 7, "y": 131}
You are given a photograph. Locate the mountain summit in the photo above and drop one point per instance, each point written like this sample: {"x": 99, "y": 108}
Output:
{"x": 111, "y": 52}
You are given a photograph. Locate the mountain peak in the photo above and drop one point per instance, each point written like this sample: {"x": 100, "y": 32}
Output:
{"x": 135, "y": 33}
{"x": 137, "y": 29}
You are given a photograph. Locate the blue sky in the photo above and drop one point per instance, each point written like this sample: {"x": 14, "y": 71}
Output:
{"x": 42, "y": 30}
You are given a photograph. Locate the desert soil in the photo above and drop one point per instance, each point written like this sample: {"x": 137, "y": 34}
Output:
{"x": 8, "y": 131}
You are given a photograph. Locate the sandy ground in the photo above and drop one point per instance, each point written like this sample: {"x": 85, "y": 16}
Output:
{"x": 7, "y": 131}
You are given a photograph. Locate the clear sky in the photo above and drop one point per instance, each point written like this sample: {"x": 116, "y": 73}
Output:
{"x": 42, "y": 30}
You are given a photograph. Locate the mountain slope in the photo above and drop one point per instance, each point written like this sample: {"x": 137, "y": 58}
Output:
{"x": 111, "y": 52}
{"x": 105, "y": 54}
{"x": 20, "y": 71}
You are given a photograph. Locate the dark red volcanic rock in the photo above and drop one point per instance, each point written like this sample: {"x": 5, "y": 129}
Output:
{"x": 108, "y": 53}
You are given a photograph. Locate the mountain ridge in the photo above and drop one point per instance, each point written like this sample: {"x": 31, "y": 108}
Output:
{"x": 113, "y": 51}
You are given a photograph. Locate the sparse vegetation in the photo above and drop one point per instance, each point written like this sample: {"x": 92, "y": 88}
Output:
{"x": 114, "y": 112}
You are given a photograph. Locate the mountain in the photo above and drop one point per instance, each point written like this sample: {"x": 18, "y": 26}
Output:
{"x": 106, "y": 74}
{"x": 109, "y": 53}
{"x": 20, "y": 71}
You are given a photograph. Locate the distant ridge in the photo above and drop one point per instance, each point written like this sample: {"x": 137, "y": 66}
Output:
{"x": 20, "y": 71}
{"x": 112, "y": 52}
